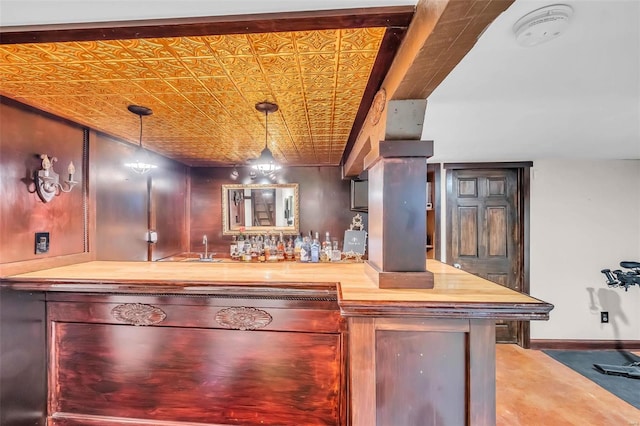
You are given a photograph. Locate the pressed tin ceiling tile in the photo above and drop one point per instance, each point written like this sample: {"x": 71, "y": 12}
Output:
{"x": 203, "y": 90}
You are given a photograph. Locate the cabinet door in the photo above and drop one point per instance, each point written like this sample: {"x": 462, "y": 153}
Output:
{"x": 170, "y": 375}
{"x": 171, "y": 360}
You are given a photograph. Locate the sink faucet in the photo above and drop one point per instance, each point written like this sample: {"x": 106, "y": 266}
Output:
{"x": 206, "y": 247}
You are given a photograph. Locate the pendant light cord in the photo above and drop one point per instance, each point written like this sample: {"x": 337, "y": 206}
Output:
{"x": 140, "y": 131}
{"x": 266, "y": 128}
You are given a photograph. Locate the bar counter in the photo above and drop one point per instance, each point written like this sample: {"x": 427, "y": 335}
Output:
{"x": 232, "y": 343}
{"x": 469, "y": 295}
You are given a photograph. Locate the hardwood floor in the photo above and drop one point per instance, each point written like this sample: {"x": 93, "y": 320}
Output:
{"x": 533, "y": 389}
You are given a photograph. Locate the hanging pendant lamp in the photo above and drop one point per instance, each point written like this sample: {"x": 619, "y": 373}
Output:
{"x": 141, "y": 163}
{"x": 266, "y": 163}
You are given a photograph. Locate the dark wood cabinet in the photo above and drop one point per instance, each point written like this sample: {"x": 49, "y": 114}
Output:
{"x": 210, "y": 360}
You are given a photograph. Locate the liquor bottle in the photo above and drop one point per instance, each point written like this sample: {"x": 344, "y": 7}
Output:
{"x": 233, "y": 248}
{"x": 327, "y": 241}
{"x": 273, "y": 254}
{"x": 260, "y": 248}
{"x": 240, "y": 244}
{"x": 336, "y": 254}
{"x": 267, "y": 248}
{"x": 297, "y": 245}
{"x": 254, "y": 248}
{"x": 280, "y": 248}
{"x": 305, "y": 250}
{"x": 325, "y": 255}
{"x": 246, "y": 253}
{"x": 289, "y": 249}
{"x": 315, "y": 249}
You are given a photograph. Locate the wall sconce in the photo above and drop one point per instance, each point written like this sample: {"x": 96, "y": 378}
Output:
{"x": 48, "y": 181}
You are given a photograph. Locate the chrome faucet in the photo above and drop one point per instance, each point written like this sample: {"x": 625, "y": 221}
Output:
{"x": 206, "y": 247}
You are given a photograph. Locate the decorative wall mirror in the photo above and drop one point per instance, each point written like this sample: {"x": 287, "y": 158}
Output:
{"x": 258, "y": 209}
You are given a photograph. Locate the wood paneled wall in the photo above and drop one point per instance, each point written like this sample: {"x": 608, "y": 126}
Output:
{"x": 122, "y": 197}
{"x": 116, "y": 217}
{"x": 121, "y": 202}
{"x": 26, "y": 133}
{"x": 183, "y": 208}
{"x": 170, "y": 209}
{"x": 324, "y": 202}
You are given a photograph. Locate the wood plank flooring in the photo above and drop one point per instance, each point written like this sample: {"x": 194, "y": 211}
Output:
{"x": 533, "y": 389}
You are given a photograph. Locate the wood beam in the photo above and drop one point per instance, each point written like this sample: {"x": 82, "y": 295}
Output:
{"x": 441, "y": 33}
{"x": 392, "y": 16}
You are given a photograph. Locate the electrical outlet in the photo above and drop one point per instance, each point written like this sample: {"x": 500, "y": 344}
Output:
{"x": 42, "y": 242}
{"x": 604, "y": 316}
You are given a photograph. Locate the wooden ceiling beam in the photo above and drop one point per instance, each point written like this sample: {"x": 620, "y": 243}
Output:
{"x": 441, "y": 33}
{"x": 390, "y": 16}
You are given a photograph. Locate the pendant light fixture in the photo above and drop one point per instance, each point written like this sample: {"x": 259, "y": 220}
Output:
{"x": 141, "y": 163}
{"x": 266, "y": 163}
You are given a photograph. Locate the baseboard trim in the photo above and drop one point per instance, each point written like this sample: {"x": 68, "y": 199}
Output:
{"x": 584, "y": 344}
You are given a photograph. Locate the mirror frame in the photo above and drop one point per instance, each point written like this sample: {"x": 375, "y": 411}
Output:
{"x": 255, "y": 230}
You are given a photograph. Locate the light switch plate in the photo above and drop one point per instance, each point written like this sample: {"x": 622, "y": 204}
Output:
{"x": 42, "y": 242}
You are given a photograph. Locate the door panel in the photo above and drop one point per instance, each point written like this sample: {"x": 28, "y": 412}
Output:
{"x": 468, "y": 225}
{"x": 497, "y": 229}
{"x": 483, "y": 211}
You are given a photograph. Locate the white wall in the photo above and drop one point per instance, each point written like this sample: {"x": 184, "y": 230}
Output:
{"x": 585, "y": 216}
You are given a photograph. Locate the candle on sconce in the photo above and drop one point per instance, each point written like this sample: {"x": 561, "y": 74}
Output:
{"x": 71, "y": 169}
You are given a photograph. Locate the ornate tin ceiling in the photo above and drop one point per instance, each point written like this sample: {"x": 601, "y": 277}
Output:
{"x": 203, "y": 89}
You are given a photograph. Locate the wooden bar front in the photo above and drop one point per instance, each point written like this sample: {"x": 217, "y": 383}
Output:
{"x": 186, "y": 343}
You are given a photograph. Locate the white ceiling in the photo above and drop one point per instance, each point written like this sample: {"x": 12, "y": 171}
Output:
{"x": 577, "y": 96}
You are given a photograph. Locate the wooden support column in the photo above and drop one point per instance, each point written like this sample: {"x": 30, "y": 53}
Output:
{"x": 397, "y": 215}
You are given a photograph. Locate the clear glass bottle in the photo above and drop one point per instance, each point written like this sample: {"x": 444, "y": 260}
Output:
{"x": 267, "y": 248}
{"x": 289, "y": 249}
{"x": 336, "y": 254}
{"x": 233, "y": 248}
{"x": 246, "y": 253}
{"x": 325, "y": 254}
{"x": 315, "y": 249}
{"x": 297, "y": 245}
{"x": 305, "y": 250}
{"x": 280, "y": 248}
{"x": 240, "y": 244}
{"x": 254, "y": 248}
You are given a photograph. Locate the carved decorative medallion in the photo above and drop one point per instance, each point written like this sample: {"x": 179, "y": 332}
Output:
{"x": 377, "y": 106}
{"x": 243, "y": 318}
{"x": 138, "y": 314}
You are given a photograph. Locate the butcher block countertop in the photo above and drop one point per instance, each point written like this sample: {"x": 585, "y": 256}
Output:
{"x": 456, "y": 294}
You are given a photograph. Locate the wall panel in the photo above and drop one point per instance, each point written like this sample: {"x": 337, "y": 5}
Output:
{"x": 23, "y": 376}
{"x": 122, "y": 218}
{"x": 25, "y": 133}
{"x": 169, "y": 204}
{"x": 121, "y": 203}
{"x": 324, "y": 202}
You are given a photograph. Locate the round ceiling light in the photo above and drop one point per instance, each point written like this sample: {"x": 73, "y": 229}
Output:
{"x": 542, "y": 24}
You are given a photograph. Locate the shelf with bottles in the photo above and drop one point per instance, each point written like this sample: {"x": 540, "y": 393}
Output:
{"x": 268, "y": 248}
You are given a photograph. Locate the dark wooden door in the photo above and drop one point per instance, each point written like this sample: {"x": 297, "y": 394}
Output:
{"x": 484, "y": 230}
